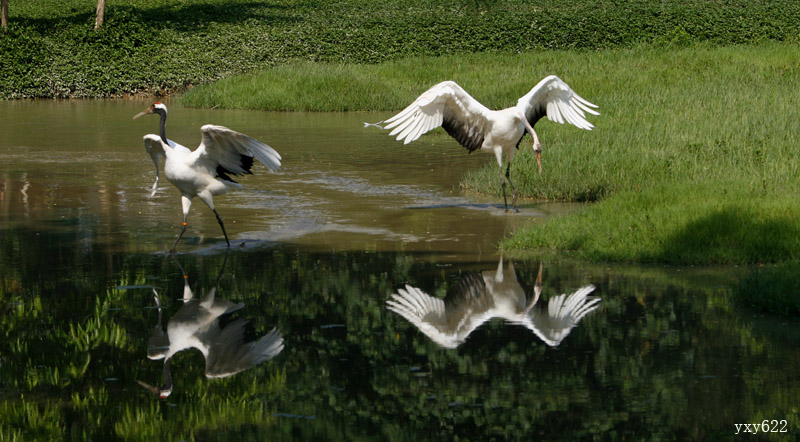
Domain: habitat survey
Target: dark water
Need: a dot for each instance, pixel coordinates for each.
(319, 249)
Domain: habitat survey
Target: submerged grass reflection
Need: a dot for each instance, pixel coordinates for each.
(774, 290)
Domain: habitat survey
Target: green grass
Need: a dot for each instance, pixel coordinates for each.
(163, 46)
(307, 86)
(694, 160)
(675, 223)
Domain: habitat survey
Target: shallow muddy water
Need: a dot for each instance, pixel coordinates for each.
(352, 224)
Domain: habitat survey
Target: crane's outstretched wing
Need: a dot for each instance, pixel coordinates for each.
(152, 144)
(446, 324)
(554, 98)
(562, 314)
(226, 151)
(230, 353)
(447, 105)
(425, 312)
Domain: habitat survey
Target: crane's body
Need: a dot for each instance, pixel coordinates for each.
(205, 172)
(477, 127)
(505, 129)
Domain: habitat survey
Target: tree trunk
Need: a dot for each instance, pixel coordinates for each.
(101, 10)
(4, 14)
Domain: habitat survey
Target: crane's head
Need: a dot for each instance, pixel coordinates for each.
(155, 108)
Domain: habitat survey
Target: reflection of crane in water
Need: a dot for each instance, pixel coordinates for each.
(228, 345)
(206, 171)
(478, 298)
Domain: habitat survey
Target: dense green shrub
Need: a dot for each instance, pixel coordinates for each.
(52, 50)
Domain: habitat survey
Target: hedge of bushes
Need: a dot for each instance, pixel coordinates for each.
(160, 46)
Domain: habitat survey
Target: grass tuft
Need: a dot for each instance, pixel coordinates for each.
(774, 290)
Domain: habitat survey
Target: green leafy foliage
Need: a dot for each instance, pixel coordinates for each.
(52, 50)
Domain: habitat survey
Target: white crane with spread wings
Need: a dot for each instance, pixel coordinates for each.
(205, 172)
(477, 127)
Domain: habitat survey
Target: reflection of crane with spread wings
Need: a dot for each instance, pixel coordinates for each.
(228, 345)
(478, 298)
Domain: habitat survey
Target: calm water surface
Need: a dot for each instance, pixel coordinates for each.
(87, 293)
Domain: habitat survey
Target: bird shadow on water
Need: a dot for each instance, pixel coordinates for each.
(733, 234)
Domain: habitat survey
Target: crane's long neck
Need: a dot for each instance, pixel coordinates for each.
(166, 390)
(163, 126)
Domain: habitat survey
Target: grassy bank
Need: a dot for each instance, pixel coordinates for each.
(676, 223)
(162, 46)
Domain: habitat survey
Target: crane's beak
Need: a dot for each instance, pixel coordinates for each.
(149, 110)
(537, 291)
(148, 387)
(537, 149)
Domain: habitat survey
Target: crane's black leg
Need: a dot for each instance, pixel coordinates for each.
(180, 235)
(222, 270)
(186, 203)
(221, 224)
(513, 189)
(503, 185)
